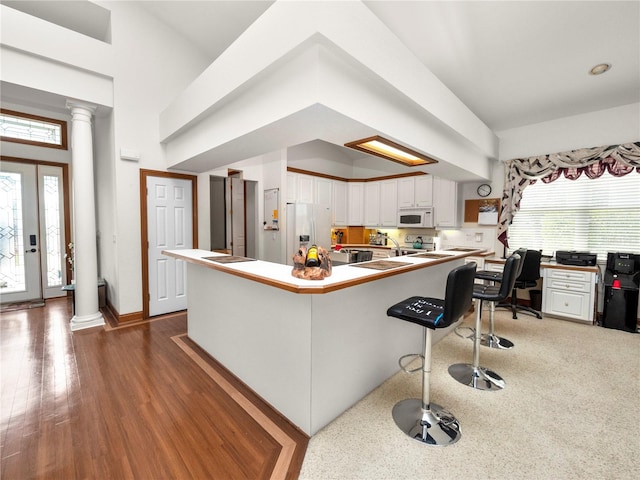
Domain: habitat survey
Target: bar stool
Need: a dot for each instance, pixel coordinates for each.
(490, 339)
(420, 419)
(473, 375)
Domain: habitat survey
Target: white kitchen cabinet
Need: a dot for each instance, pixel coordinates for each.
(305, 189)
(322, 189)
(446, 203)
(569, 294)
(479, 261)
(339, 203)
(415, 191)
(381, 203)
(300, 188)
(389, 203)
(292, 187)
(423, 194)
(372, 204)
(355, 203)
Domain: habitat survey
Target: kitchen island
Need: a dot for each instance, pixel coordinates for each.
(309, 348)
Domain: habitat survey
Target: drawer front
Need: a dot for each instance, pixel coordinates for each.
(568, 304)
(569, 285)
(557, 273)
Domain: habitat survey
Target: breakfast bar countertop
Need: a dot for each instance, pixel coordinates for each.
(342, 276)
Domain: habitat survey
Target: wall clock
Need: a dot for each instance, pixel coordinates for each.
(484, 190)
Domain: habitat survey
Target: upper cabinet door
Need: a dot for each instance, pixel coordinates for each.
(446, 203)
(406, 187)
(415, 191)
(305, 189)
(323, 187)
(372, 204)
(389, 203)
(355, 203)
(292, 187)
(339, 204)
(423, 193)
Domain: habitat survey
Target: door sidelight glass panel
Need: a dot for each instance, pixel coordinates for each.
(12, 265)
(52, 229)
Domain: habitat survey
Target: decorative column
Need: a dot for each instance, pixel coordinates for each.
(87, 312)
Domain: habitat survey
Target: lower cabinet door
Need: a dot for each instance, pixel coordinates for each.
(568, 304)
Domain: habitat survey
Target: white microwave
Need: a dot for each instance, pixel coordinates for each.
(416, 217)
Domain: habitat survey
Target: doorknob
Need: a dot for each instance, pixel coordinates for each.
(33, 250)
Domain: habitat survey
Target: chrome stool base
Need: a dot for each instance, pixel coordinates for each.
(476, 377)
(434, 426)
(494, 341)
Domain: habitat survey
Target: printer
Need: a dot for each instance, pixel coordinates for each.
(583, 259)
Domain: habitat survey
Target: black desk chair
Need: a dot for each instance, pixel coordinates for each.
(490, 339)
(420, 419)
(473, 375)
(528, 278)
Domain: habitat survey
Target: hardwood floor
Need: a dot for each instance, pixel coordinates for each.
(139, 402)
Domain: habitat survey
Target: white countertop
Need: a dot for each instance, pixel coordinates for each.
(279, 275)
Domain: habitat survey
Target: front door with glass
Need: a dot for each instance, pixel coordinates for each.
(31, 232)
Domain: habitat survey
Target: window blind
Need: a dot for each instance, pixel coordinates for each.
(598, 216)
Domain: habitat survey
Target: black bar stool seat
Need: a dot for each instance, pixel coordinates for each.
(420, 419)
(490, 339)
(473, 375)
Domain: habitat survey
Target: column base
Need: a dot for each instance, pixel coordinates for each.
(80, 322)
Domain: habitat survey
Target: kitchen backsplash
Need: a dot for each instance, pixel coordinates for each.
(471, 237)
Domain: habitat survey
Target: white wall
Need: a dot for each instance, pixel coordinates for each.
(605, 127)
(143, 69)
(151, 65)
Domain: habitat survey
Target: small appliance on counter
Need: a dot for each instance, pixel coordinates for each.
(418, 243)
(582, 259)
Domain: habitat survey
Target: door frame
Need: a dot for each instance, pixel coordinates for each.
(144, 224)
(66, 200)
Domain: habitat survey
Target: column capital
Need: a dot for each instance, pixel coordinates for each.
(77, 106)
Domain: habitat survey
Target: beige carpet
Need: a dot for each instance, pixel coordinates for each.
(570, 410)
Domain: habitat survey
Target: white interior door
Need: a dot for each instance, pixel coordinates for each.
(237, 217)
(20, 264)
(169, 220)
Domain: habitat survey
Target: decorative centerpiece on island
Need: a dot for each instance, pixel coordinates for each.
(313, 263)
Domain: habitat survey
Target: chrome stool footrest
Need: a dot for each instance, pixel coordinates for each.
(471, 329)
(404, 365)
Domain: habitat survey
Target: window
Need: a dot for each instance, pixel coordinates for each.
(33, 130)
(598, 216)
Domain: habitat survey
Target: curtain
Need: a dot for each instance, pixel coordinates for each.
(519, 173)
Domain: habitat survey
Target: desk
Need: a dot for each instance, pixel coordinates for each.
(568, 291)
(102, 297)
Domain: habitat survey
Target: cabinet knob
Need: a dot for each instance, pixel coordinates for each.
(566, 304)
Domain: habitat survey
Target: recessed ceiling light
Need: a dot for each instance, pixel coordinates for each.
(600, 69)
(381, 147)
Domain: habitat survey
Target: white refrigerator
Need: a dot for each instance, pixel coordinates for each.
(307, 224)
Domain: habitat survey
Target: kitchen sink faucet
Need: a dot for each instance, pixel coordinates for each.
(384, 235)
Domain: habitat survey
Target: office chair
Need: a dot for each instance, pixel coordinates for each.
(528, 278)
(490, 339)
